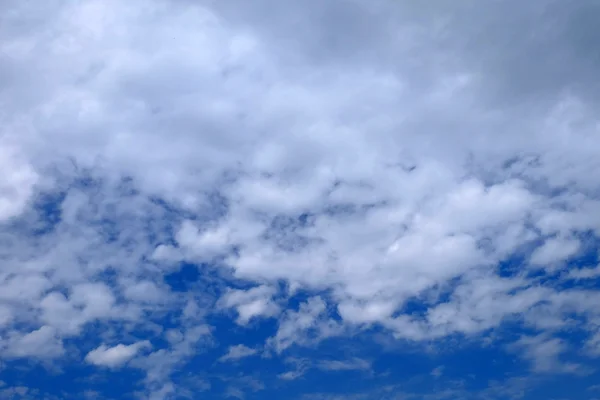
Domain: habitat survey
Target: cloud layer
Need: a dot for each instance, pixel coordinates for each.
(426, 170)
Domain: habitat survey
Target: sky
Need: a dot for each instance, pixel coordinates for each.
(306, 200)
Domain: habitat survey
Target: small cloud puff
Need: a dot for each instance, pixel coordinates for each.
(237, 352)
(116, 356)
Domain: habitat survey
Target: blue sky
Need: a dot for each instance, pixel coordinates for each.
(317, 200)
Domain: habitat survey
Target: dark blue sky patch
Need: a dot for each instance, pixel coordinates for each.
(182, 279)
(48, 206)
(76, 377)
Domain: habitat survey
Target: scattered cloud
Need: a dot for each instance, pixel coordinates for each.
(437, 372)
(325, 169)
(116, 356)
(344, 365)
(252, 303)
(544, 354)
(236, 352)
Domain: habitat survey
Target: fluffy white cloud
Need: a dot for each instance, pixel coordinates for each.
(115, 356)
(310, 323)
(251, 303)
(17, 183)
(184, 343)
(403, 159)
(584, 273)
(40, 343)
(555, 251)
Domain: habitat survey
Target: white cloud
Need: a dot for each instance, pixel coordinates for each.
(184, 343)
(481, 303)
(555, 251)
(344, 365)
(115, 356)
(544, 354)
(143, 291)
(592, 346)
(17, 184)
(300, 367)
(164, 392)
(251, 303)
(233, 392)
(205, 245)
(309, 324)
(290, 375)
(41, 343)
(403, 163)
(437, 371)
(584, 273)
(236, 352)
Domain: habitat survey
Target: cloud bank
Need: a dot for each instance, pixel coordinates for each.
(426, 170)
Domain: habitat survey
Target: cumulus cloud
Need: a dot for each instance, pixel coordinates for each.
(252, 303)
(555, 251)
(308, 324)
(40, 343)
(116, 356)
(18, 183)
(184, 343)
(369, 153)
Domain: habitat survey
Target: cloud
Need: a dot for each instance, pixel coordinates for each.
(592, 345)
(544, 354)
(290, 375)
(236, 393)
(555, 251)
(299, 367)
(236, 352)
(18, 184)
(116, 356)
(252, 303)
(40, 343)
(302, 365)
(344, 365)
(362, 155)
(184, 343)
(240, 385)
(437, 372)
(584, 273)
(308, 325)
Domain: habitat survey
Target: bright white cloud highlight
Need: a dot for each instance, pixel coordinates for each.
(115, 356)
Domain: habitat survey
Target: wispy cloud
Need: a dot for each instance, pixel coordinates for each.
(344, 365)
(115, 356)
(236, 352)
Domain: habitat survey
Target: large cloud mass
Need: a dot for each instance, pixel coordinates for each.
(372, 155)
